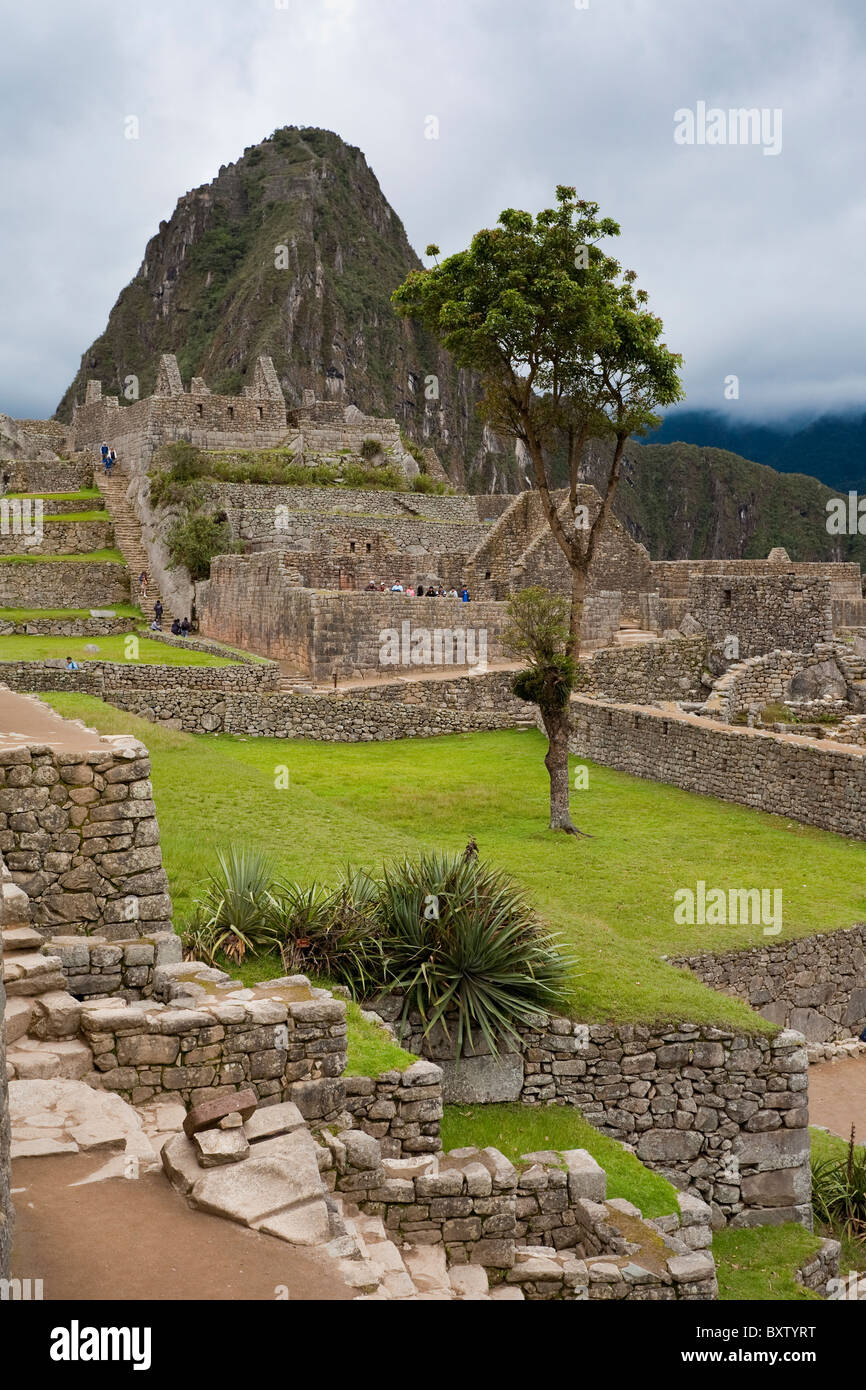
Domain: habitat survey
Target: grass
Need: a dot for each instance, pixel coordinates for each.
(32, 615)
(759, 1265)
(85, 493)
(58, 517)
(518, 1129)
(94, 557)
(611, 896)
(150, 653)
(371, 1050)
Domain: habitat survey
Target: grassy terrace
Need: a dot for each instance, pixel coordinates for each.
(94, 557)
(85, 493)
(32, 615)
(112, 648)
(610, 896)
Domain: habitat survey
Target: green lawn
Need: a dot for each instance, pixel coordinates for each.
(27, 615)
(112, 648)
(56, 517)
(94, 557)
(86, 494)
(610, 896)
(758, 1265)
(518, 1129)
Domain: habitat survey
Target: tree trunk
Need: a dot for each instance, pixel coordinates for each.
(578, 600)
(557, 725)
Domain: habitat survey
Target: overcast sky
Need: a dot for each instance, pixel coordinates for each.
(754, 260)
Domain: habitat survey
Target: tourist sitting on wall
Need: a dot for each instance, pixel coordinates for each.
(452, 593)
(464, 593)
(175, 628)
(372, 584)
(396, 587)
(410, 592)
(185, 627)
(420, 591)
(382, 588)
(71, 665)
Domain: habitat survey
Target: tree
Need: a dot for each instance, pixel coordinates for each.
(568, 351)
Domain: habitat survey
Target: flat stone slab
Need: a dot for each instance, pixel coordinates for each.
(216, 1147)
(72, 1117)
(272, 1120)
(259, 1188)
(208, 1113)
(482, 1080)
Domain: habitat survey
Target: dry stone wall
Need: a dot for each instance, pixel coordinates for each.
(278, 1047)
(668, 670)
(346, 503)
(62, 475)
(65, 627)
(62, 584)
(58, 538)
(79, 834)
(815, 984)
(763, 612)
(403, 1110)
(722, 1114)
(785, 775)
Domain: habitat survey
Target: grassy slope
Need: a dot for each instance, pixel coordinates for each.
(100, 557)
(759, 1265)
(112, 648)
(25, 615)
(519, 1129)
(611, 896)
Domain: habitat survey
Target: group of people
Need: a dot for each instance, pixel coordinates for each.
(179, 627)
(109, 457)
(432, 590)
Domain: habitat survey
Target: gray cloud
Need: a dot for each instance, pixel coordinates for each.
(754, 262)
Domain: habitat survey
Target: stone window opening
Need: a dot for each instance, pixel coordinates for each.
(199, 410)
(487, 574)
(231, 412)
(352, 547)
(369, 547)
(261, 412)
(726, 598)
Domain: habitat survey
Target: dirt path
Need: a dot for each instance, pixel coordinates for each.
(26, 719)
(837, 1096)
(137, 1239)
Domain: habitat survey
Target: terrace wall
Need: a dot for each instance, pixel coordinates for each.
(59, 538)
(62, 584)
(765, 613)
(782, 774)
(816, 984)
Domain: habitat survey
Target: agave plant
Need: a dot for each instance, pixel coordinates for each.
(333, 933)
(236, 912)
(839, 1191)
(464, 947)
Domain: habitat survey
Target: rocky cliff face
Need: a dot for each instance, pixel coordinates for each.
(292, 251)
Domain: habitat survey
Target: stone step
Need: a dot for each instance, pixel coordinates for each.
(34, 1060)
(28, 973)
(17, 1015)
(56, 1014)
(23, 938)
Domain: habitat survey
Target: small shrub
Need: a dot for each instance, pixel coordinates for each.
(464, 947)
(431, 486)
(839, 1191)
(236, 912)
(371, 448)
(194, 542)
(777, 713)
(332, 933)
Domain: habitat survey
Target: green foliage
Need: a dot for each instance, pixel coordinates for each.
(370, 448)
(371, 1048)
(464, 948)
(537, 631)
(839, 1190)
(332, 933)
(195, 541)
(430, 486)
(235, 913)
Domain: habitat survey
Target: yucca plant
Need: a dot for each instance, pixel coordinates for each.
(839, 1191)
(236, 913)
(467, 951)
(333, 933)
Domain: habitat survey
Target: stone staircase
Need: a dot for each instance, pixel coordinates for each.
(41, 1017)
(128, 539)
